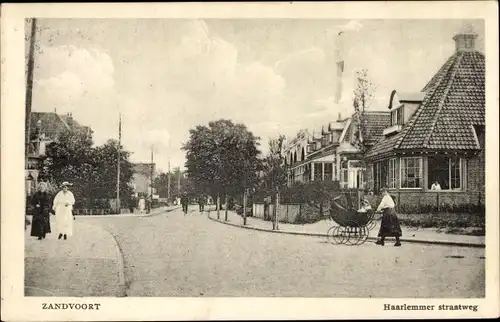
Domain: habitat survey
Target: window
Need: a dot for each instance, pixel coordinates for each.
(397, 116)
(446, 171)
(343, 174)
(380, 175)
(392, 174)
(411, 172)
(303, 155)
(328, 171)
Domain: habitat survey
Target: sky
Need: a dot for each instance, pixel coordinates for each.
(165, 76)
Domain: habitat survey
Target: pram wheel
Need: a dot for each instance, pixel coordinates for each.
(336, 235)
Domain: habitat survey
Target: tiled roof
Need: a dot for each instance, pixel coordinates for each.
(52, 124)
(375, 123)
(454, 102)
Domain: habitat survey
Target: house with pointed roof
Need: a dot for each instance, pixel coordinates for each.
(332, 154)
(436, 135)
(45, 127)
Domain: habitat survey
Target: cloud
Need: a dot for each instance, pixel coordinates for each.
(67, 76)
(351, 25)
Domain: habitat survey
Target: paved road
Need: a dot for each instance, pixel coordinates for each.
(175, 255)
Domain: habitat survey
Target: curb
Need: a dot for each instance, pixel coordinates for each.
(125, 215)
(120, 265)
(159, 213)
(414, 241)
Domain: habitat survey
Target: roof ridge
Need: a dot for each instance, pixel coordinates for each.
(62, 120)
(454, 69)
(412, 120)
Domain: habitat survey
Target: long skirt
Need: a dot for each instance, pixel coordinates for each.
(390, 226)
(64, 221)
(40, 225)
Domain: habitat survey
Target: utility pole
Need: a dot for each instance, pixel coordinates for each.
(168, 183)
(29, 88)
(152, 170)
(178, 181)
(28, 97)
(118, 161)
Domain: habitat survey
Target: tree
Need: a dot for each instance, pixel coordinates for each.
(92, 170)
(222, 158)
(177, 182)
(363, 94)
(104, 161)
(275, 171)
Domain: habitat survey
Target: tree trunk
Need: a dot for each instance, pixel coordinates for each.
(225, 206)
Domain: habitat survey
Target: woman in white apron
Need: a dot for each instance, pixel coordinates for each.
(63, 207)
(142, 205)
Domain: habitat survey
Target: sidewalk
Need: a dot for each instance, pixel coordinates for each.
(410, 235)
(154, 212)
(87, 264)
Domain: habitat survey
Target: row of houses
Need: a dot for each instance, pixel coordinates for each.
(436, 135)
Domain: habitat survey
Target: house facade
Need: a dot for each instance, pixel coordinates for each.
(436, 135)
(141, 178)
(45, 128)
(332, 154)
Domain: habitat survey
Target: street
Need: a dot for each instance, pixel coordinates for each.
(171, 254)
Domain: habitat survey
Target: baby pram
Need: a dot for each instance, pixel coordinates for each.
(349, 226)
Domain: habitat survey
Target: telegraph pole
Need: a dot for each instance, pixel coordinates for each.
(118, 161)
(178, 181)
(152, 166)
(168, 183)
(29, 88)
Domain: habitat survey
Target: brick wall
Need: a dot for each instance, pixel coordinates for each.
(476, 172)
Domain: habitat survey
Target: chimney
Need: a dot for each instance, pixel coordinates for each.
(465, 40)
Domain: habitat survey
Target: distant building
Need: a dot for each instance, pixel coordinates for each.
(141, 179)
(331, 154)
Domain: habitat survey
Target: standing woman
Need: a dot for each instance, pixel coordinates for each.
(390, 226)
(63, 207)
(41, 215)
(142, 205)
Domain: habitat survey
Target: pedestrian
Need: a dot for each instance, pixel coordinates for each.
(131, 203)
(41, 214)
(436, 186)
(141, 205)
(184, 203)
(201, 202)
(149, 202)
(63, 207)
(389, 227)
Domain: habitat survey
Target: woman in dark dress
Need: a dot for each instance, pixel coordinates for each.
(389, 227)
(42, 206)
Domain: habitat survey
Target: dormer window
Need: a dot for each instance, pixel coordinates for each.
(397, 116)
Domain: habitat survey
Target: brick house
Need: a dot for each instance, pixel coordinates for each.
(437, 134)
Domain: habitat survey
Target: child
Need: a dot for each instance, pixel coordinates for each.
(365, 206)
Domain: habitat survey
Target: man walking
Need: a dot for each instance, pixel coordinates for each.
(184, 203)
(201, 202)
